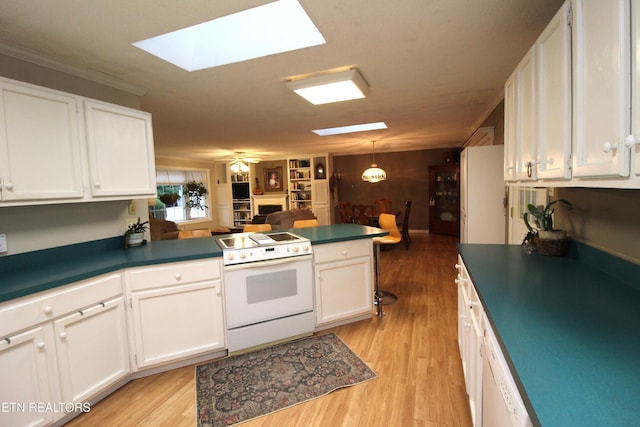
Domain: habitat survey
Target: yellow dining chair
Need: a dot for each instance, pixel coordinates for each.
(388, 223)
(256, 227)
(192, 234)
(301, 223)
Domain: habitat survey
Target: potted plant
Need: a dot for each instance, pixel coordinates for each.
(169, 199)
(195, 192)
(134, 236)
(547, 240)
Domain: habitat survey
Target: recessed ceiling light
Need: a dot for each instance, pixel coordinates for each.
(276, 27)
(351, 128)
(332, 87)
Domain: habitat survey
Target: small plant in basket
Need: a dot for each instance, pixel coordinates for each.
(546, 239)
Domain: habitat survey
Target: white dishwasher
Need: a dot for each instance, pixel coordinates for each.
(502, 405)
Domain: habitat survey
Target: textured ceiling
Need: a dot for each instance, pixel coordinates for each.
(435, 68)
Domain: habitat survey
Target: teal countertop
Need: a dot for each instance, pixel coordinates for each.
(569, 327)
(31, 272)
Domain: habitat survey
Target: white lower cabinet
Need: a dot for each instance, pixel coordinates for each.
(92, 351)
(470, 340)
(343, 282)
(61, 347)
(176, 311)
(24, 367)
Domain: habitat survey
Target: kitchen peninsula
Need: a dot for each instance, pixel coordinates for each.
(89, 317)
(568, 327)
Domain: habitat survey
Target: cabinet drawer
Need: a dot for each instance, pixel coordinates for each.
(34, 309)
(342, 250)
(176, 273)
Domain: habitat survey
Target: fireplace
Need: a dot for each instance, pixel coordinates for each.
(267, 209)
(268, 203)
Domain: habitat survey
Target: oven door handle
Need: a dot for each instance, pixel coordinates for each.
(261, 264)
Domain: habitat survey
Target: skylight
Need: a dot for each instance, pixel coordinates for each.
(351, 128)
(276, 27)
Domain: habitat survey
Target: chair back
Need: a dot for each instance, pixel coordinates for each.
(381, 206)
(192, 234)
(346, 213)
(362, 214)
(405, 219)
(256, 227)
(405, 224)
(388, 222)
(301, 223)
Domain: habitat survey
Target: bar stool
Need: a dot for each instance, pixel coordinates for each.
(387, 222)
(256, 227)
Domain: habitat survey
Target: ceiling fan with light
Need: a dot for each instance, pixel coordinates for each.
(239, 164)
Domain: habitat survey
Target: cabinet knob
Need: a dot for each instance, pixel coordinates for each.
(48, 309)
(178, 276)
(63, 335)
(97, 184)
(607, 147)
(344, 253)
(40, 345)
(631, 140)
(458, 265)
(218, 291)
(8, 185)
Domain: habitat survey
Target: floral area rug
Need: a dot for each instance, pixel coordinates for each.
(239, 388)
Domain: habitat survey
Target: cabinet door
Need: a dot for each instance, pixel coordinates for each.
(321, 201)
(92, 350)
(510, 125)
(601, 87)
(444, 200)
(343, 290)
(633, 142)
(526, 142)
(553, 97)
(176, 322)
(26, 378)
(120, 150)
(39, 144)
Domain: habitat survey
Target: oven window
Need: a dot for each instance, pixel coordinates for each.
(271, 286)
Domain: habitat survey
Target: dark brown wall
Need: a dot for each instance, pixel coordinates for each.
(407, 179)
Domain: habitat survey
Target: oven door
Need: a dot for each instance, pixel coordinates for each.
(265, 290)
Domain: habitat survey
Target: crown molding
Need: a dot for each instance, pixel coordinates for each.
(23, 54)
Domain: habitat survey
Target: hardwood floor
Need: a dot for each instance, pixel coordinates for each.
(413, 349)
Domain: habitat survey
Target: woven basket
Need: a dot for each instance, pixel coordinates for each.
(556, 247)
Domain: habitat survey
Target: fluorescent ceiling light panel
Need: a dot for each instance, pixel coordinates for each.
(276, 27)
(349, 129)
(333, 87)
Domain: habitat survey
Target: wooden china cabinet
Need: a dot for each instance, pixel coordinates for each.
(444, 199)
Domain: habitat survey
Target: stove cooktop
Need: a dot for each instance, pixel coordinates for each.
(250, 247)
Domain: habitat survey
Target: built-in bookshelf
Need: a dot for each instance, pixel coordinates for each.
(300, 188)
(241, 199)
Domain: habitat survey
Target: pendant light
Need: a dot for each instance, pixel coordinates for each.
(374, 173)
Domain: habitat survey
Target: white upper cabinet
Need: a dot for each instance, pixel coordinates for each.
(633, 140)
(57, 147)
(120, 150)
(601, 88)
(39, 144)
(526, 117)
(553, 97)
(538, 107)
(510, 121)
